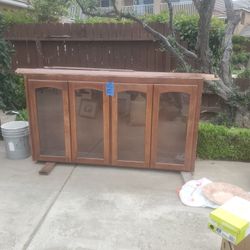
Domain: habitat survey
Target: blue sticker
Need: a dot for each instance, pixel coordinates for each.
(110, 89)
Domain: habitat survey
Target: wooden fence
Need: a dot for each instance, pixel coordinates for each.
(124, 46)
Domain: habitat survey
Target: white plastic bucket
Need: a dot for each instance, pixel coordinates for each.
(16, 137)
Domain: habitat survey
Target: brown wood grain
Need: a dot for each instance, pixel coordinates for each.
(47, 168)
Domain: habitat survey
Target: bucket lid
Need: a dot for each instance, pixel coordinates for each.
(15, 125)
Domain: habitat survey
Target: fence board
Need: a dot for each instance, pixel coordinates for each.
(81, 32)
(125, 46)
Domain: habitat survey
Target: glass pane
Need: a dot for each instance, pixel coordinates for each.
(131, 125)
(173, 112)
(50, 121)
(89, 120)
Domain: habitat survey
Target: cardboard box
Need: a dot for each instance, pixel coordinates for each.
(231, 220)
(244, 245)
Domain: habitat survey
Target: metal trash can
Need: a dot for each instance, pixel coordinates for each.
(16, 138)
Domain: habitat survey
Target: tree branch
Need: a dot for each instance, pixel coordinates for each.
(219, 88)
(187, 53)
(170, 18)
(164, 41)
(115, 7)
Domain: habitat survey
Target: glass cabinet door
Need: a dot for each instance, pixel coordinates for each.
(50, 120)
(131, 125)
(89, 122)
(173, 126)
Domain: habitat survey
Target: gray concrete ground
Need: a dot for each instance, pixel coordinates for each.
(92, 208)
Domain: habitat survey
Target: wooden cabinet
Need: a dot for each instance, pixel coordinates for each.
(149, 120)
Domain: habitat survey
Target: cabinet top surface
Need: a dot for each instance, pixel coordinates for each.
(110, 73)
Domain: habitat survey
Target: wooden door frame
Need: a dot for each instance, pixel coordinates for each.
(193, 91)
(77, 85)
(143, 88)
(32, 85)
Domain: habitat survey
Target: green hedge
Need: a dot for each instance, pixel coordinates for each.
(221, 143)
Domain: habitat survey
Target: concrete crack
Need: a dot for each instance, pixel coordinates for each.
(39, 224)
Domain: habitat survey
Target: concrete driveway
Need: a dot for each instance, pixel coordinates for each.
(102, 208)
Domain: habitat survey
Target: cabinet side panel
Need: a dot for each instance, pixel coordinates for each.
(198, 97)
(31, 124)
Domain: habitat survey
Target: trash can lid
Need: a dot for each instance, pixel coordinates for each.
(15, 125)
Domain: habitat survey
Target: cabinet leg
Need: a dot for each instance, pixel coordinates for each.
(47, 168)
(186, 176)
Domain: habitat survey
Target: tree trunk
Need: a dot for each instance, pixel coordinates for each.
(233, 18)
(205, 10)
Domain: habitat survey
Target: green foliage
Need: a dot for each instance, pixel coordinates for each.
(222, 143)
(240, 56)
(245, 74)
(99, 20)
(187, 26)
(216, 35)
(18, 16)
(240, 40)
(242, 99)
(43, 11)
(156, 18)
(90, 5)
(152, 18)
(22, 115)
(12, 93)
(11, 85)
(225, 119)
(49, 11)
(5, 50)
(5, 61)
